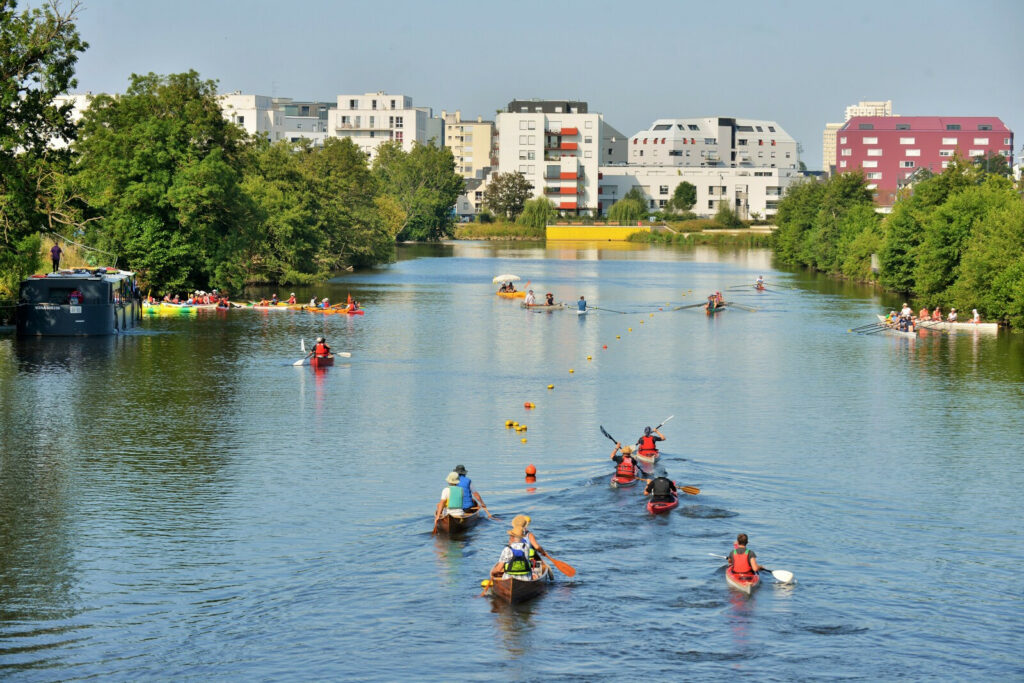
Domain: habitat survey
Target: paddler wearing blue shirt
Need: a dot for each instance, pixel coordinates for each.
(468, 494)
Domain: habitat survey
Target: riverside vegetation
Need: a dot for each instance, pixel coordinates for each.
(955, 239)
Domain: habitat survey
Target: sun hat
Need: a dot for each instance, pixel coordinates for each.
(461, 469)
(521, 521)
(626, 450)
(319, 340)
(452, 478)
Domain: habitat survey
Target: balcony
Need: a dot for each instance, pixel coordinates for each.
(563, 131)
(568, 205)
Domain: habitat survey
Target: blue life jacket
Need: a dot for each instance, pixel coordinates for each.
(519, 565)
(467, 492)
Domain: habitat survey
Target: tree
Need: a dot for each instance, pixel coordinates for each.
(506, 193)
(38, 52)
(995, 164)
(161, 166)
(683, 197)
(726, 217)
(423, 184)
(795, 217)
(537, 213)
(627, 210)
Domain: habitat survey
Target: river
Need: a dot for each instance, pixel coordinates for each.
(181, 502)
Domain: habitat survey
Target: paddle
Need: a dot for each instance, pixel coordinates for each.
(664, 421)
(566, 569)
(680, 308)
(598, 308)
(780, 575)
(741, 306)
(486, 583)
(613, 439)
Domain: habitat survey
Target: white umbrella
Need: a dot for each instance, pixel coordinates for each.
(507, 277)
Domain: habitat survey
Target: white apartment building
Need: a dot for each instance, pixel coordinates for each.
(256, 114)
(372, 119)
(79, 103)
(862, 108)
(714, 142)
(749, 191)
(558, 146)
(304, 120)
(828, 138)
(471, 142)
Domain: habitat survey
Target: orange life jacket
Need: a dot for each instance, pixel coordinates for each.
(626, 468)
(647, 445)
(741, 561)
(321, 350)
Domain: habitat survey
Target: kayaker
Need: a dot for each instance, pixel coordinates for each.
(468, 494)
(626, 466)
(325, 303)
(581, 304)
(891, 318)
(742, 560)
(523, 523)
(660, 489)
(760, 281)
(320, 349)
(291, 299)
(529, 300)
(952, 316)
(451, 498)
(274, 300)
(549, 299)
(937, 315)
(514, 560)
(312, 302)
(647, 444)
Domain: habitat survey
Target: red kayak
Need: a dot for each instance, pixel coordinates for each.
(619, 482)
(321, 361)
(656, 508)
(745, 583)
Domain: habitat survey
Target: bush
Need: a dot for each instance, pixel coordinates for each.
(484, 217)
(727, 218)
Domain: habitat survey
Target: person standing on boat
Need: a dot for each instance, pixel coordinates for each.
(582, 304)
(647, 443)
(742, 560)
(55, 252)
(661, 489)
(470, 498)
(451, 498)
(625, 464)
(529, 300)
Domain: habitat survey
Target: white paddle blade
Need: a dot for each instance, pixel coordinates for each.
(302, 344)
(343, 354)
(300, 362)
(782, 576)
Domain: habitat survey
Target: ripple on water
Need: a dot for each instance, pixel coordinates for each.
(705, 512)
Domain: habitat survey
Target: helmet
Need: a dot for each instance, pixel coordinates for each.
(647, 431)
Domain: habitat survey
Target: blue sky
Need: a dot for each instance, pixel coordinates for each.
(798, 62)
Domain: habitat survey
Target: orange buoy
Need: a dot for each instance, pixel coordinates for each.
(531, 470)
(529, 405)
(605, 346)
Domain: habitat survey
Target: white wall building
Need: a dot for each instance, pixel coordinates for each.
(714, 142)
(372, 119)
(304, 120)
(256, 114)
(558, 146)
(471, 142)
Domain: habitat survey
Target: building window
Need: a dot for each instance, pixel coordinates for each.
(587, 140)
(522, 155)
(945, 153)
(874, 152)
(675, 152)
(587, 154)
(874, 176)
(984, 126)
(661, 203)
(554, 125)
(912, 152)
(866, 126)
(398, 122)
(902, 126)
(588, 124)
(523, 139)
(741, 142)
(532, 125)
(663, 189)
(872, 186)
(710, 141)
(522, 168)
(1007, 141)
(949, 141)
(353, 104)
(398, 136)
(711, 203)
(522, 125)
(952, 126)
(981, 141)
(771, 129)
(976, 153)
(870, 164)
(760, 143)
(842, 164)
(945, 164)
(533, 140)
(870, 141)
(906, 164)
(845, 152)
(531, 155)
(906, 141)
(240, 119)
(842, 141)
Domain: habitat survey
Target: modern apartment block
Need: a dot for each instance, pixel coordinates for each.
(304, 119)
(558, 145)
(256, 114)
(471, 142)
(828, 138)
(889, 149)
(372, 119)
(714, 142)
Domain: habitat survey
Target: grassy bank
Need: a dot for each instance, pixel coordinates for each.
(500, 230)
(72, 256)
(753, 239)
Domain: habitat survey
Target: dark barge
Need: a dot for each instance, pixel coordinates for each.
(80, 302)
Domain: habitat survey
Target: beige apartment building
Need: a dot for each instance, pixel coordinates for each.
(471, 142)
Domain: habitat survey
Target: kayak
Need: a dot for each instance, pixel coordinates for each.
(543, 307)
(520, 590)
(512, 295)
(581, 312)
(745, 583)
(456, 525)
(351, 311)
(649, 458)
(321, 361)
(619, 482)
(656, 508)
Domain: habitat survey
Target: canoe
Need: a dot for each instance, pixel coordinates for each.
(456, 525)
(944, 326)
(512, 295)
(745, 583)
(543, 307)
(618, 482)
(521, 590)
(656, 508)
(321, 362)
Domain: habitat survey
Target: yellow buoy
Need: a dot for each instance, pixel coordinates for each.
(571, 370)
(508, 423)
(551, 386)
(629, 330)
(618, 337)
(652, 315)
(588, 357)
(641, 322)
(522, 428)
(523, 439)
(485, 583)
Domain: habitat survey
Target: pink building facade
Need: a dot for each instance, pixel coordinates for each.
(890, 148)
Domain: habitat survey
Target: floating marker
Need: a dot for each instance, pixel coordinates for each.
(629, 330)
(618, 337)
(571, 370)
(605, 346)
(508, 424)
(531, 470)
(551, 386)
(588, 358)
(523, 439)
(652, 315)
(529, 405)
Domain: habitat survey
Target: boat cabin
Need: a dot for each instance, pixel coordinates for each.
(93, 301)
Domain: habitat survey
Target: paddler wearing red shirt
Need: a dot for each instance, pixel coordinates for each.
(742, 560)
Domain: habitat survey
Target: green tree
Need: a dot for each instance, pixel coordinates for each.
(506, 193)
(161, 166)
(631, 208)
(38, 51)
(993, 164)
(831, 233)
(991, 275)
(683, 197)
(795, 218)
(423, 183)
(537, 213)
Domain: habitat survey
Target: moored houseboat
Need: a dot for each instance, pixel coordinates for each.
(80, 302)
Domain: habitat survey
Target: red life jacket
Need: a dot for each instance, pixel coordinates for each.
(320, 350)
(741, 561)
(647, 445)
(626, 468)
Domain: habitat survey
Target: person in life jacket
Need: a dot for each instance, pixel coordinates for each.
(646, 444)
(451, 498)
(661, 489)
(937, 314)
(470, 498)
(626, 468)
(514, 561)
(320, 349)
(291, 299)
(581, 304)
(742, 560)
(274, 300)
(549, 299)
(523, 523)
(760, 281)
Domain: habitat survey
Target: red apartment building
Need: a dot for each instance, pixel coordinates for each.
(889, 148)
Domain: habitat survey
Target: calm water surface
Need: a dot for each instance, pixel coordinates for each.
(183, 503)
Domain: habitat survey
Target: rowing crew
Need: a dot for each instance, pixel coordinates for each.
(923, 316)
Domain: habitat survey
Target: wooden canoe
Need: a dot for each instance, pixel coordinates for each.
(456, 525)
(512, 295)
(518, 590)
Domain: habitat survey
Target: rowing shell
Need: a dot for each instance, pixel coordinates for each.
(543, 307)
(946, 326)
